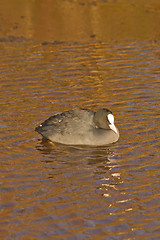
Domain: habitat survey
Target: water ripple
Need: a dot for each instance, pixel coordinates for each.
(55, 192)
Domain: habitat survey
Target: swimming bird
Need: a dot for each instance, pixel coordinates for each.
(80, 127)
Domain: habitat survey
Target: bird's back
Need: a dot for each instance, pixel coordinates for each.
(73, 122)
(76, 127)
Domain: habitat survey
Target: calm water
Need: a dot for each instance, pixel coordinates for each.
(59, 192)
(65, 192)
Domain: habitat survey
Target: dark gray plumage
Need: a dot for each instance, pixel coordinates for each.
(80, 127)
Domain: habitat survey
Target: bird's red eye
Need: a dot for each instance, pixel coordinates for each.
(105, 119)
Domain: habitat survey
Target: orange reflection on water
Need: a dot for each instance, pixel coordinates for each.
(54, 20)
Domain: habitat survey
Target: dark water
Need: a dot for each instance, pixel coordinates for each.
(59, 55)
(60, 192)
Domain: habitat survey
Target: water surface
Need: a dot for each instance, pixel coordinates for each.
(62, 192)
(65, 192)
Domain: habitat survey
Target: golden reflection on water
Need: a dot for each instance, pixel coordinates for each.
(65, 192)
(81, 20)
